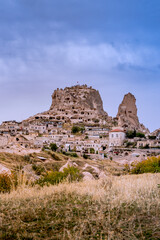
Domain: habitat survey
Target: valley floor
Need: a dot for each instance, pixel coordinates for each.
(124, 207)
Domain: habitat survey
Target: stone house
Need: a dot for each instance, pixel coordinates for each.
(116, 137)
(150, 143)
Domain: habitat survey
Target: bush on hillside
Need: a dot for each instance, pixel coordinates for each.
(53, 147)
(140, 135)
(151, 165)
(5, 183)
(132, 134)
(85, 156)
(54, 156)
(38, 169)
(152, 137)
(76, 129)
(27, 158)
(71, 154)
(92, 151)
(54, 177)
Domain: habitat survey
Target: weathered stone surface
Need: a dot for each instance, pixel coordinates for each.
(81, 104)
(127, 111)
(79, 97)
(156, 133)
(87, 176)
(102, 175)
(127, 114)
(77, 104)
(4, 170)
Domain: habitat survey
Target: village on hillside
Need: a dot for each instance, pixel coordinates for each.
(77, 123)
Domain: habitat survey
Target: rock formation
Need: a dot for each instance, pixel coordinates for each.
(127, 114)
(4, 170)
(77, 104)
(156, 133)
(81, 104)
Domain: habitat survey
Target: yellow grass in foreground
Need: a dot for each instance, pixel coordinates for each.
(121, 189)
(125, 207)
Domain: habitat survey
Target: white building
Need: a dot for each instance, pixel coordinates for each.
(116, 137)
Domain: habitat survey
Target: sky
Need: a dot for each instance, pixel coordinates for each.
(111, 45)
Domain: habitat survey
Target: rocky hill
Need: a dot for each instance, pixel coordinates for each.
(127, 114)
(77, 104)
(81, 104)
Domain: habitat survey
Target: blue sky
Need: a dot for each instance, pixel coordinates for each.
(113, 45)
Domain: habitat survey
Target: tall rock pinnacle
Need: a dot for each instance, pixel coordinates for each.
(127, 114)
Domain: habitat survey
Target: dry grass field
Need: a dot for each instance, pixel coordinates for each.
(121, 207)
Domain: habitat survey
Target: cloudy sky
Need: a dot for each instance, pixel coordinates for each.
(112, 45)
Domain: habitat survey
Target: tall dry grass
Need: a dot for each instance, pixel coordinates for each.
(125, 207)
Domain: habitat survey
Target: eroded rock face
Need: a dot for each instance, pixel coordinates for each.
(127, 114)
(77, 104)
(79, 97)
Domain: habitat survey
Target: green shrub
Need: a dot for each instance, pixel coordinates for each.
(27, 158)
(130, 134)
(152, 137)
(92, 151)
(76, 129)
(54, 156)
(151, 165)
(140, 135)
(5, 183)
(85, 156)
(133, 134)
(38, 169)
(53, 147)
(71, 154)
(55, 177)
(145, 147)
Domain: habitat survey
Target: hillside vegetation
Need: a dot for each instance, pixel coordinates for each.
(125, 207)
(54, 161)
(150, 165)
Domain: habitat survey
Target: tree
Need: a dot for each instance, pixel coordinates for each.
(92, 151)
(131, 134)
(75, 129)
(140, 135)
(53, 147)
